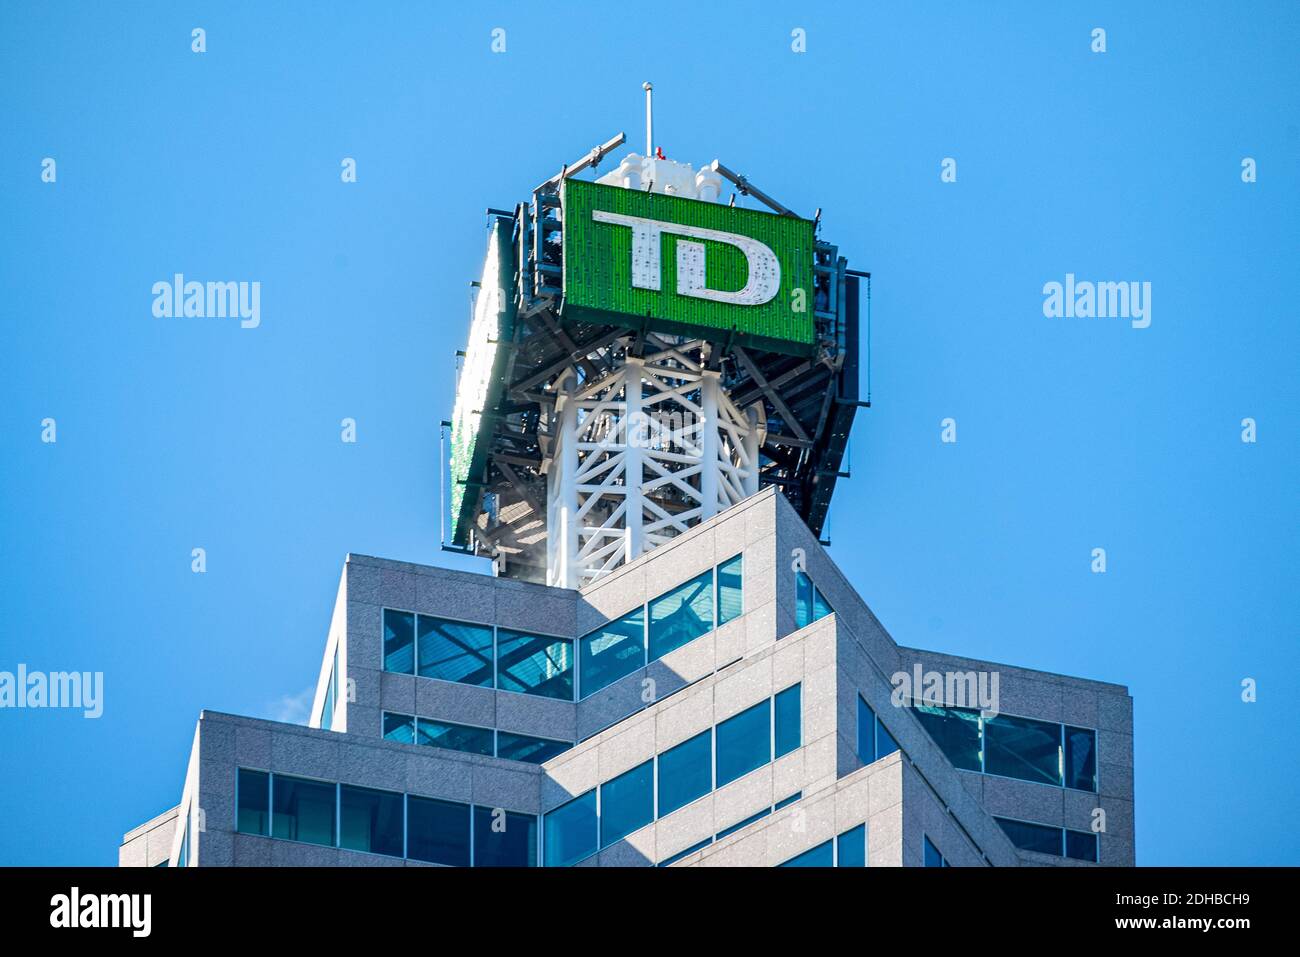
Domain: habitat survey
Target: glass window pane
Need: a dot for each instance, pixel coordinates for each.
(370, 820)
(744, 823)
(437, 831)
(1080, 759)
(885, 743)
(535, 664)
(1023, 748)
(866, 732)
(932, 856)
(627, 803)
(399, 641)
(569, 831)
(956, 731)
(254, 802)
(681, 616)
(302, 810)
(521, 747)
(786, 801)
(399, 727)
(852, 847)
(685, 772)
(666, 862)
(823, 855)
(1081, 845)
(1032, 837)
(803, 599)
(454, 737)
(821, 607)
(612, 651)
(455, 651)
(730, 591)
(504, 838)
(744, 742)
(789, 720)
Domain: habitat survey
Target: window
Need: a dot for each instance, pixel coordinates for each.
(627, 803)
(685, 772)
(744, 743)
(254, 803)
(730, 592)
(504, 838)
(787, 801)
(956, 731)
(681, 616)
(1032, 837)
(455, 651)
(851, 847)
(569, 832)
(809, 603)
(521, 747)
(370, 820)
(1080, 759)
(788, 728)
(454, 737)
(399, 641)
(1081, 845)
(690, 850)
(874, 742)
(437, 831)
(744, 823)
(1023, 748)
(303, 810)
(823, 855)
(612, 651)
(932, 856)
(535, 664)
(399, 727)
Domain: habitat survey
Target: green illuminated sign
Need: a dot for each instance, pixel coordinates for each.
(687, 266)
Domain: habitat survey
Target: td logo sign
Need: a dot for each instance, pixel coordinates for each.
(687, 266)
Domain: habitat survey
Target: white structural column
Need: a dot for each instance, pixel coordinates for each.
(643, 453)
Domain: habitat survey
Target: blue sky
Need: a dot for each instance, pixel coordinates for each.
(1072, 433)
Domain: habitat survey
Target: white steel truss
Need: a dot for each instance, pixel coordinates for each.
(640, 455)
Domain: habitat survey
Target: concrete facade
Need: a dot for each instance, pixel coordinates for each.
(904, 798)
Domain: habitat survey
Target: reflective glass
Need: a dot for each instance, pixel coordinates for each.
(866, 732)
(744, 742)
(803, 599)
(1032, 837)
(1081, 845)
(681, 616)
(521, 747)
(1080, 759)
(956, 731)
(399, 727)
(254, 802)
(789, 720)
(455, 651)
(437, 831)
(823, 855)
(399, 641)
(569, 832)
(455, 737)
(302, 810)
(851, 847)
(685, 772)
(370, 820)
(612, 651)
(504, 838)
(730, 590)
(535, 664)
(932, 856)
(627, 803)
(1023, 748)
